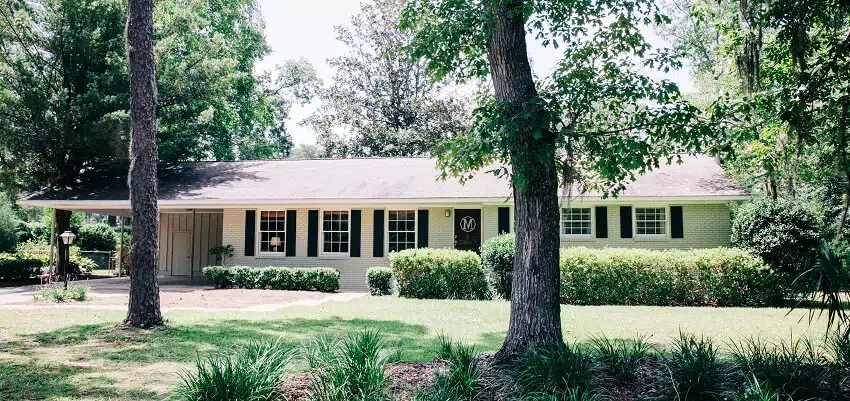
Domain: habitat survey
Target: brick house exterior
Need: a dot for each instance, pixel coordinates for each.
(323, 213)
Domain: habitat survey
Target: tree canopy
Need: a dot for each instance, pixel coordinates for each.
(381, 101)
(64, 87)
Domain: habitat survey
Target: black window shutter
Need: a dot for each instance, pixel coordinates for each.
(677, 227)
(291, 219)
(250, 231)
(625, 222)
(312, 233)
(504, 220)
(601, 221)
(354, 246)
(378, 234)
(422, 234)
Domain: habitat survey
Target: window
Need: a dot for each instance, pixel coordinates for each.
(650, 221)
(575, 221)
(272, 231)
(335, 231)
(401, 230)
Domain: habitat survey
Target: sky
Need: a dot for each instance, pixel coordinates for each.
(305, 29)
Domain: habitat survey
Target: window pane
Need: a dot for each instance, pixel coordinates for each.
(651, 221)
(272, 225)
(334, 231)
(401, 230)
(575, 221)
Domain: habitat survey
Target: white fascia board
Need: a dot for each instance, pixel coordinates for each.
(224, 204)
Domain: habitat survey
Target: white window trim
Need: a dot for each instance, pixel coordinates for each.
(258, 235)
(321, 239)
(651, 236)
(577, 236)
(387, 227)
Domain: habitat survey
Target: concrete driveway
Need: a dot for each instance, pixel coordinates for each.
(177, 294)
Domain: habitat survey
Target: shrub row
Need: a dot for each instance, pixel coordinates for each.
(700, 277)
(274, 278)
(16, 267)
(439, 274)
(612, 276)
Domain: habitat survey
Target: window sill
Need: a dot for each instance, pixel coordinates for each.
(652, 238)
(333, 256)
(577, 238)
(270, 256)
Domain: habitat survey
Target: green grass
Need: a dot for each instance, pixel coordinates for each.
(74, 347)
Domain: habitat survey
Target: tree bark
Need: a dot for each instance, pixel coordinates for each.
(63, 223)
(535, 319)
(143, 310)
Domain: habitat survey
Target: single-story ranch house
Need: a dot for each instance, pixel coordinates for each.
(349, 214)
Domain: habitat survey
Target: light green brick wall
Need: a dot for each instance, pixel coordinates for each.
(705, 225)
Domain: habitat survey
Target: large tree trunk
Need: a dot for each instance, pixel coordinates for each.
(143, 310)
(63, 223)
(535, 311)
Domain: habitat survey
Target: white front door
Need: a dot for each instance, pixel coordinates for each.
(181, 253)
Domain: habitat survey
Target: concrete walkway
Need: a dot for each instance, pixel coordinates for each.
(20, 298)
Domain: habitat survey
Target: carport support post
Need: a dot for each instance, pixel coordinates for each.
(52, 245)
(121, 247)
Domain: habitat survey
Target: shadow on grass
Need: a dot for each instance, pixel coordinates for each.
(183, 343)
(38, 382)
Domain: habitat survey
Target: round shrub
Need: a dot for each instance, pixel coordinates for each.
(497, 256)
(380, 280)
(697, 277)
(783, 233)
(439, 274)
(219, 275)
(97, 237)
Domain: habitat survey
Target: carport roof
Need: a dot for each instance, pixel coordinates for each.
(217, 184)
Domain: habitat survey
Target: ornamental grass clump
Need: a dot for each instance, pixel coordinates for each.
(622, 358)
(796, 369)
(565, 371)
(695, 368)
(253, 373)
(347, 369)
(460, 379)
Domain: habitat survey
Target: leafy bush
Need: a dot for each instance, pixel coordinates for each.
(97, 237)
(621, 357)
(785, 234)
(696, 369)
(380, 280)
(439, 273)
(274, 278)
(716, 277)
(795, 368)
(78, 263)
(563, 370)
(58, 293)
(10, 225)
(221, 276)
(254, 374)
(16, 267)
(348, 369)
(497, 256)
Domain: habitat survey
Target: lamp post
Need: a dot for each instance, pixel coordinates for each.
(67, 239)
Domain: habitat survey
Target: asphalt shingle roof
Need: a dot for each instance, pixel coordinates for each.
(366, 178)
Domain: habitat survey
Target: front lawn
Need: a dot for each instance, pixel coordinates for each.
(65, 353)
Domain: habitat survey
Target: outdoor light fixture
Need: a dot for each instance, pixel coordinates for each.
(67, 237)
(274, 242)
(448, 213)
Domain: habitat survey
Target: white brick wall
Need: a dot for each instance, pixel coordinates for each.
(705, 225)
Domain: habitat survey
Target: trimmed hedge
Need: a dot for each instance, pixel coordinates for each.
(699, 277)
(439, 274)
(16, 267)
(497, 256)
(274, 278)
(380, 280)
